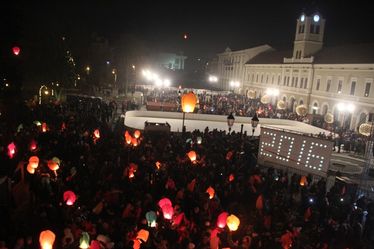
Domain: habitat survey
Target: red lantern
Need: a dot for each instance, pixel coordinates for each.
(69, 197)
(46, 239)
(137, 134)
(11, 150)
(34, 162)
(134, 141)
(16, 50)
(222, 219)
(231, 178)
(96, 134)
(33, 145)
(211, 192)
(163, 202)
(192, 155)
(168, 211)
(44, 127)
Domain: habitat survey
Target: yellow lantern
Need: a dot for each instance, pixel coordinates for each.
(301, 110)
(211, 192)
(365, 129)
(251, 94)
(188, 102)
(46, 239)
(329, 118)
(84, 241)
(265, 99)
(233, 222)
(281, 105)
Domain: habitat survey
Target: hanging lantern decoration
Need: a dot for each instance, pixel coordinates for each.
(30, 169)
(137, 134)
(44, 127)
(16, 50)
(233, 222)
(189, 102)
(260, 203)
(222, 219)
(301, 110)
(192, 155)
(231, 177)
(46, 239)
(281, 105)
(134, 141)
(265, 99)
(70, 198)
(34, 162)
(142, 235)
(168, 211)
(151, 218)
(303, 181)
(211, 192)
(251, 94)
(84, 241)
(33, 145)
(365, 129)
(164, 201)
(329, 118)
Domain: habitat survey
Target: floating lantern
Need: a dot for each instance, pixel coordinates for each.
(151, 218)
(137, 134)
(11, 150)
(168, 211)
(222, 219)
(303, 181)
(46, 239)
(134, 141)
(251, 94)
(188, 102)
(34, 162)
(164, 201)
(211, 192)
(301, 110)
(136, 244)
(96, 134)
(233, 222)
(53, 165)
(158, 165)
(33, 145)
(199, 140)
(192, 155)
(84, 241)
(259, 203)
(44, 127)
(95, 244)
(30, 169)
(281, 105)
(16, 50)
(231, 178)
(142, 235)
(70, 198)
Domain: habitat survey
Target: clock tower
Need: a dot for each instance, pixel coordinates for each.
(309, 35)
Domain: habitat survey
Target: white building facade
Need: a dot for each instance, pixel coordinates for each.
(338, 80)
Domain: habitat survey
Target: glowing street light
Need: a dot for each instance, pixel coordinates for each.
(213, 78)
(344, 108)
(272, 92)
(234, 83)
(40, 93)
(88, 69)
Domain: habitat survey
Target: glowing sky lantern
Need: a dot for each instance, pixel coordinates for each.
(222, 219)
(44, 127)
(189, 102)
(211, 192)
(136, 244)
(33, 145)
(158, 165)
(233, 222)
(53, 164)
(11, 150)
(16, 50)
(46, 239)
(164, 201)
(151, 218)
(96, 134)
(192, 155)
(303, 181)
(34, 162)
(30, 169)
(134, 141)
(231, 177)
(84, 241)
(260, 203)
(137, 134)
(142, 235)
(69, 197)
(95, 244)
(168, 211)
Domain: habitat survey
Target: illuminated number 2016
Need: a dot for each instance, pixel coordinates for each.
(310, 149)
(284, 141)
(271, 144)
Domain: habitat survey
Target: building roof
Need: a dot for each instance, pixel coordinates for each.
(347, 54)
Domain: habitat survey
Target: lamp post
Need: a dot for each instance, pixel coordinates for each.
(254, 122)
(40, 93)
(188, 105)
(230, 121)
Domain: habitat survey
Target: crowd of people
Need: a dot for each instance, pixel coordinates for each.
(117, 181)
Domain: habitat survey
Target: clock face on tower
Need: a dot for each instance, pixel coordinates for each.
(302, 18)
(316, 18)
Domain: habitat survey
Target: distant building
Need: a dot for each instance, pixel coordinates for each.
(170, 61)
(338, 80)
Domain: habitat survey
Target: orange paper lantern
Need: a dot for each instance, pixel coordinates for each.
(192, 155)
(211, 192)
(69, 197)
(52, 165)
(189, 102)
(34, 162)
(30, 169)
(143, 235)
(134, 141)
(222, 219)
(233, 222)
(96, 134)
(44, 127)
(137, 134)
(158, 165)
(303, 181)
(46, 239)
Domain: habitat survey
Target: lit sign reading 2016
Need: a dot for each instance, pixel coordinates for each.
(295, 150)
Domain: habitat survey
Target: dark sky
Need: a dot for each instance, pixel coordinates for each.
(211, 25)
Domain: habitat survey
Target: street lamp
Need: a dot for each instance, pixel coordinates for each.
(188, 105)
(230, 121)
(40, 93)
(254, 122)
(115, 75)
(213, 78)
(344, 108)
